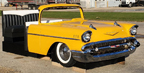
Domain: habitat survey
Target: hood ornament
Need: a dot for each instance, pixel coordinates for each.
(116, 24)
(91, 26)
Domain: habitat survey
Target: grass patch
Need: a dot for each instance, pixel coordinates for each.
(112, 16)
(115, 16)
(0, 13)
(65, 15)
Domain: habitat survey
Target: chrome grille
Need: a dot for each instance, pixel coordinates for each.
(106, 46)
(110, 43)
(109, 50)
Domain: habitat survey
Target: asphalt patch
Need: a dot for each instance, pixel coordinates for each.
(139, 36)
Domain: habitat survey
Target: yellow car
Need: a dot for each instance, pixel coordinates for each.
(79, 40)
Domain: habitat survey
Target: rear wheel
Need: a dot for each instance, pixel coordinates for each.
(64, 55)
(120, 5)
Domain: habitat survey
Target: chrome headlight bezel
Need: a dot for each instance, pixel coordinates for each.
(86, 37)
(133, 30)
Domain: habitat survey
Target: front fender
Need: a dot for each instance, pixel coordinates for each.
(127, 27)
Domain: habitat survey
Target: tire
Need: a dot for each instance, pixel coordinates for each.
(130, 4)
(34, 7)
(64, 56)
(29, 8)
(120, 5)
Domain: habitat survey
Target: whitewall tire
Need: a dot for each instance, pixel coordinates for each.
(64, 55)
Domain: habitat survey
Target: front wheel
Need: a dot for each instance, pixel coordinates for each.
(34, 7)
(120, 5)
(64, 55)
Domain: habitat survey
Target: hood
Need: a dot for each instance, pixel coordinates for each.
(103, 31)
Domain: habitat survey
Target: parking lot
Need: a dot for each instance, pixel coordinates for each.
(109, 9)
(13, 63)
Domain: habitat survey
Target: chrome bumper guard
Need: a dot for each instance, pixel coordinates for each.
(87, 56)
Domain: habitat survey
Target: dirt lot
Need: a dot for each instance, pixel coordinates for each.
(12, 63)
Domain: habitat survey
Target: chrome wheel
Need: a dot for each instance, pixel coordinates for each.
(64, 52)
(63, 55)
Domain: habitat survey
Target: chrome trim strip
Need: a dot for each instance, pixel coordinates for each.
(81, 56)
(52, 36)
(77, 51)
(85, 52)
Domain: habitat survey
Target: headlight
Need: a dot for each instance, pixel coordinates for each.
(86, 36)
(133, 30)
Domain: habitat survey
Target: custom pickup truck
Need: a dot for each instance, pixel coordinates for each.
(67, 41)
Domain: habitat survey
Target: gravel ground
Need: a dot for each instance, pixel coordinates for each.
(12, 63)
(8, 70)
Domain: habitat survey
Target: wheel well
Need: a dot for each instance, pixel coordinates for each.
(52, 48)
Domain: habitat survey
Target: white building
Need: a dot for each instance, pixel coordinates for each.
(3, 2)
(100, 3)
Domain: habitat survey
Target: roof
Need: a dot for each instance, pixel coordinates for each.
(57, 5)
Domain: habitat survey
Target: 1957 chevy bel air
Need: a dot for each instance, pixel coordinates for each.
(67, 41)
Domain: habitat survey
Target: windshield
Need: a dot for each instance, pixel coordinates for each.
(63, 14)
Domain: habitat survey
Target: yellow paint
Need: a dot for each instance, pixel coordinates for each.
(10, 5)
(41, 8)
(47, 34)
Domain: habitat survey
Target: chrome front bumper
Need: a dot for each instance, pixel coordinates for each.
(87, 56)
